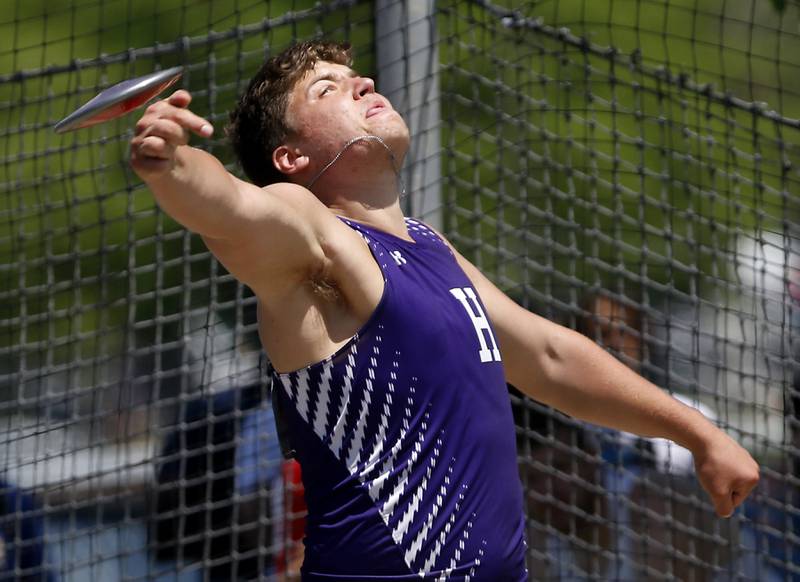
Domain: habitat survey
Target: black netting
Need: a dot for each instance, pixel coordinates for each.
(137, 441)
(629, 169)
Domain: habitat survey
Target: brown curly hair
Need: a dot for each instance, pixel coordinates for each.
(258, 122)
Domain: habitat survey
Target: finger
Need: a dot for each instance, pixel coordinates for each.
(742, 492)
(182, 117)
(168, 130)
(155, 147)
(150, 165)
(180, 98)
(193, 122)
(724, 504)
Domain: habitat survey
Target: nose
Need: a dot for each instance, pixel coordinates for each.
(363, 86)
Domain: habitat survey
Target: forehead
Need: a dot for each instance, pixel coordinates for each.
(324, 70)
(300, 94)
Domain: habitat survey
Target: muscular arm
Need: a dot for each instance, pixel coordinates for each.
(201, 194)
(256, 232)
(561, 368)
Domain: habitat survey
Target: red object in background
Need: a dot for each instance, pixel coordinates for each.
(793, 269)
(294, 522)
(794, 284)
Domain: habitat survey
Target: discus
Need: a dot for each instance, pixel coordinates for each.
(118, 100)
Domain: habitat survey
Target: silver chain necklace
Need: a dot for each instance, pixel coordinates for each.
(367, 137)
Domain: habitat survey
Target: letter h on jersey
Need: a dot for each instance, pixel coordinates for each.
(466, 296)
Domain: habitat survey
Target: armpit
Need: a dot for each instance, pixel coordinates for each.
(324, 288)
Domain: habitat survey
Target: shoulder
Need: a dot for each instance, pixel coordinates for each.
(296, 197)
(294, 193)
(338, 248)
(287, 235)
(420, 228)
(309, 212)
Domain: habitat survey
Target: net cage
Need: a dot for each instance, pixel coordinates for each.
(626, 168)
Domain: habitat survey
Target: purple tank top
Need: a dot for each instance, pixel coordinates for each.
(405, 435)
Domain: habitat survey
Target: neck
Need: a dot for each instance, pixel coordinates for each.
(388, 219)
(364, 188)
(374, 202)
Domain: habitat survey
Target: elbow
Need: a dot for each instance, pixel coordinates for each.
(548, 375)
(554, 360)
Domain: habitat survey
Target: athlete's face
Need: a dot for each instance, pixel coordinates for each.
(332, 104)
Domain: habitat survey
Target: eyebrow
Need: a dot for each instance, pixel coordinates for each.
(331, 76)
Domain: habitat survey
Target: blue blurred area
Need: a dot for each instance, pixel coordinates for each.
(219, 486)
(771, 534)
(22, 537)
(85, 549)
(209, 514)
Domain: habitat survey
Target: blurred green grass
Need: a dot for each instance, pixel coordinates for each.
(562, 167)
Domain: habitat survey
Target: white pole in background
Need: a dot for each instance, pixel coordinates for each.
(408, 75)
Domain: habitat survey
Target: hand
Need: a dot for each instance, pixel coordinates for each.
(165, 125)
(726, 471)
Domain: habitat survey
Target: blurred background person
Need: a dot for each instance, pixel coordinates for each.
(561, 469)
(654, 534)
(220, 487)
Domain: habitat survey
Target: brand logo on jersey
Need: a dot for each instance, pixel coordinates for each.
(398, 258)
(466, 296)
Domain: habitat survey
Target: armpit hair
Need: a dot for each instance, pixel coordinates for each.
(325, 289)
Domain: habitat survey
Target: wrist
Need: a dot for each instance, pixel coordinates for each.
(168, 172)
(700, 434)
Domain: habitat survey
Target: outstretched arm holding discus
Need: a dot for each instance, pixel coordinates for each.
(261, 228)
(312, 274)
(391, 351)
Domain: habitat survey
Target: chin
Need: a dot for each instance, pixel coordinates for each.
(396, 136)
(390, 123)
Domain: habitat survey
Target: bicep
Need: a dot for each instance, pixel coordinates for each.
(275, 234)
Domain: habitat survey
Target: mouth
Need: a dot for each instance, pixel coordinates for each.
(375, 110)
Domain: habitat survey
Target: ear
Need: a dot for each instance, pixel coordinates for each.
(289, 160)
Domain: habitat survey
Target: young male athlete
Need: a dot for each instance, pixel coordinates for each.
(389, 372)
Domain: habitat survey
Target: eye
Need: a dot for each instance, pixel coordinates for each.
(326, 89)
